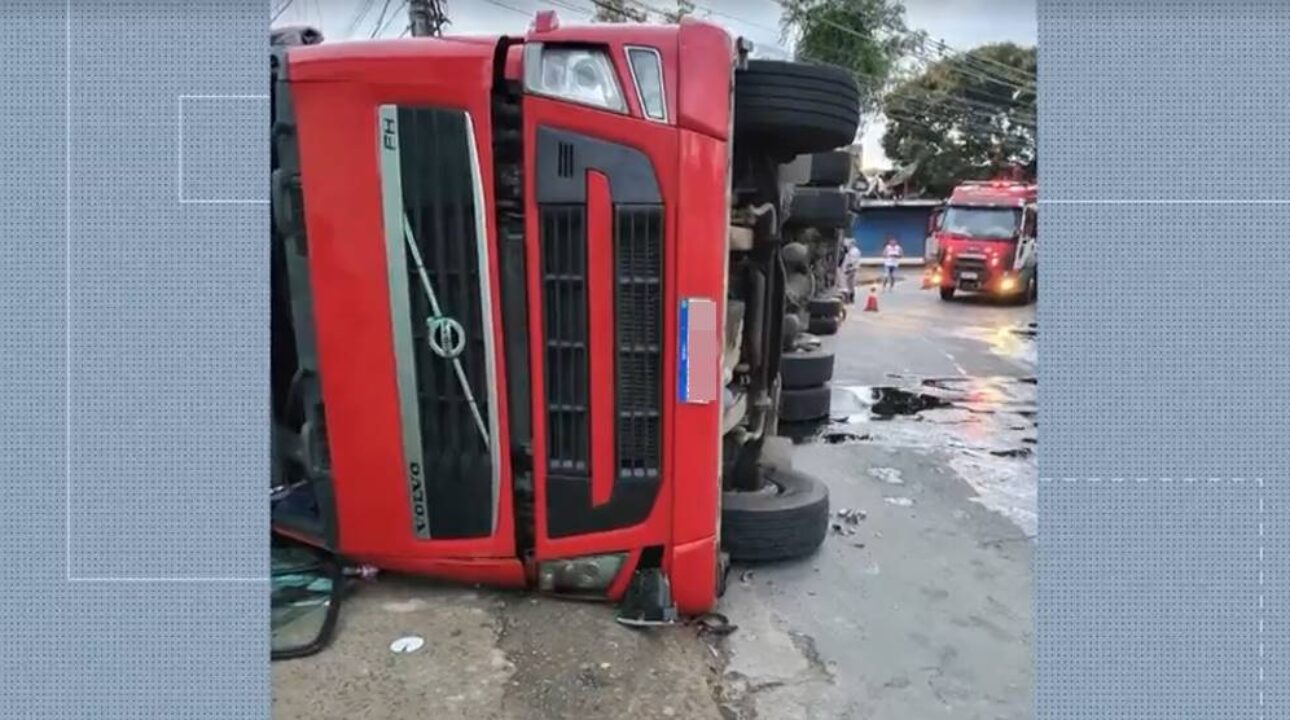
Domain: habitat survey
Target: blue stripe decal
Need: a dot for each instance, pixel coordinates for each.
(683, 361)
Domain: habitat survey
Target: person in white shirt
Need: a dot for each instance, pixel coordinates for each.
(891, 254)
(850, 267)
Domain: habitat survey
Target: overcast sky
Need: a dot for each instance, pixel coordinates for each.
(960, 23)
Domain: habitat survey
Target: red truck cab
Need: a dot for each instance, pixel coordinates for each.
(987, 240)
(511, 344)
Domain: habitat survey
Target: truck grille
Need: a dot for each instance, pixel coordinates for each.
(564, 306)
(638, 317)
(457, 467)
(639, 312)
(969, 264)
(586, 490)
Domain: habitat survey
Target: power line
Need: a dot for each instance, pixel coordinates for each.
(968, 105)
(381, 30)
(363, 10)
(931, 99)
(376, 29)
(393, 16)
(281, 9)
(1016, 78)
(959, 65)
(711, 11)
(500, 4)
(1017, 73)
(570, 6)
(921, 37)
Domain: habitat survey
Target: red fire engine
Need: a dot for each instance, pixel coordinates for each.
(987, 240)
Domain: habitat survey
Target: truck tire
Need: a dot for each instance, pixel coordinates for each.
(805, 404)
(823, 208)
(788, 518)
(805, 369)
(825, 307)
(796, 107)
(947, 294)
(830, 169)
(823, 326)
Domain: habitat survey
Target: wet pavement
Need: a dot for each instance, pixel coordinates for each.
(917, 606)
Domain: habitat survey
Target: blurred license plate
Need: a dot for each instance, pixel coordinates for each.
(968, 275)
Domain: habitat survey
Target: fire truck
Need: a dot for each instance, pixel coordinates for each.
(986, 237)
(529, 305)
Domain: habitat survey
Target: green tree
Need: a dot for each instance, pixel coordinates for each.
(868, 37)
(966, 116)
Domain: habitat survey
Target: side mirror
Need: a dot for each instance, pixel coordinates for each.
(304, 598)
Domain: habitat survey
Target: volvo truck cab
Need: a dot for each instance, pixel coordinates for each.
(529, 302)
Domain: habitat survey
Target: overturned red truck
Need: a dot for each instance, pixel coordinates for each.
(529, 302)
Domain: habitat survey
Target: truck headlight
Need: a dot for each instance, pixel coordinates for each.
(579, 575)
(578, 74)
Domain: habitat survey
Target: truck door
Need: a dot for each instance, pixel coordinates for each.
(397, 180)
(600, 173)
(932, 250)
(1028, 243)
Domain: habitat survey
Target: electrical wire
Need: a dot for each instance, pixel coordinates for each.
(933, 100)
(402, 6)
(965, 64)
(512, 8)
(281, 9)
(354, 22)
(1018, 74)
(940, 44)
(570, 6)
(376, 29)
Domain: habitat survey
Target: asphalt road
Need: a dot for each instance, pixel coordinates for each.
(919, 610)
(922, 608)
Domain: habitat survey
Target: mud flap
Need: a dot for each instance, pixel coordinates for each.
(648, 601)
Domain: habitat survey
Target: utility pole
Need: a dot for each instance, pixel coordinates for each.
(426, 17)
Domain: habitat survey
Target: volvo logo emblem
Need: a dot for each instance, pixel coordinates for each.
(446, 337)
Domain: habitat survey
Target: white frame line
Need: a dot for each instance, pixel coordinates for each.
(1262, 649)
(67, 335)
(180, 159)
(1163, 201)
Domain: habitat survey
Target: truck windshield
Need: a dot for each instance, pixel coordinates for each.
(981, 222)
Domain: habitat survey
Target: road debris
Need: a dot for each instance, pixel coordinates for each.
(852, 517)
(891, 476)
(407, 644)
(849, 519)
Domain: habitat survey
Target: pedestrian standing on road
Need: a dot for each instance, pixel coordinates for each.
(850, 267)
(891, 254)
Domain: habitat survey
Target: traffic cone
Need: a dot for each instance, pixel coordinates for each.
(871, 304)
